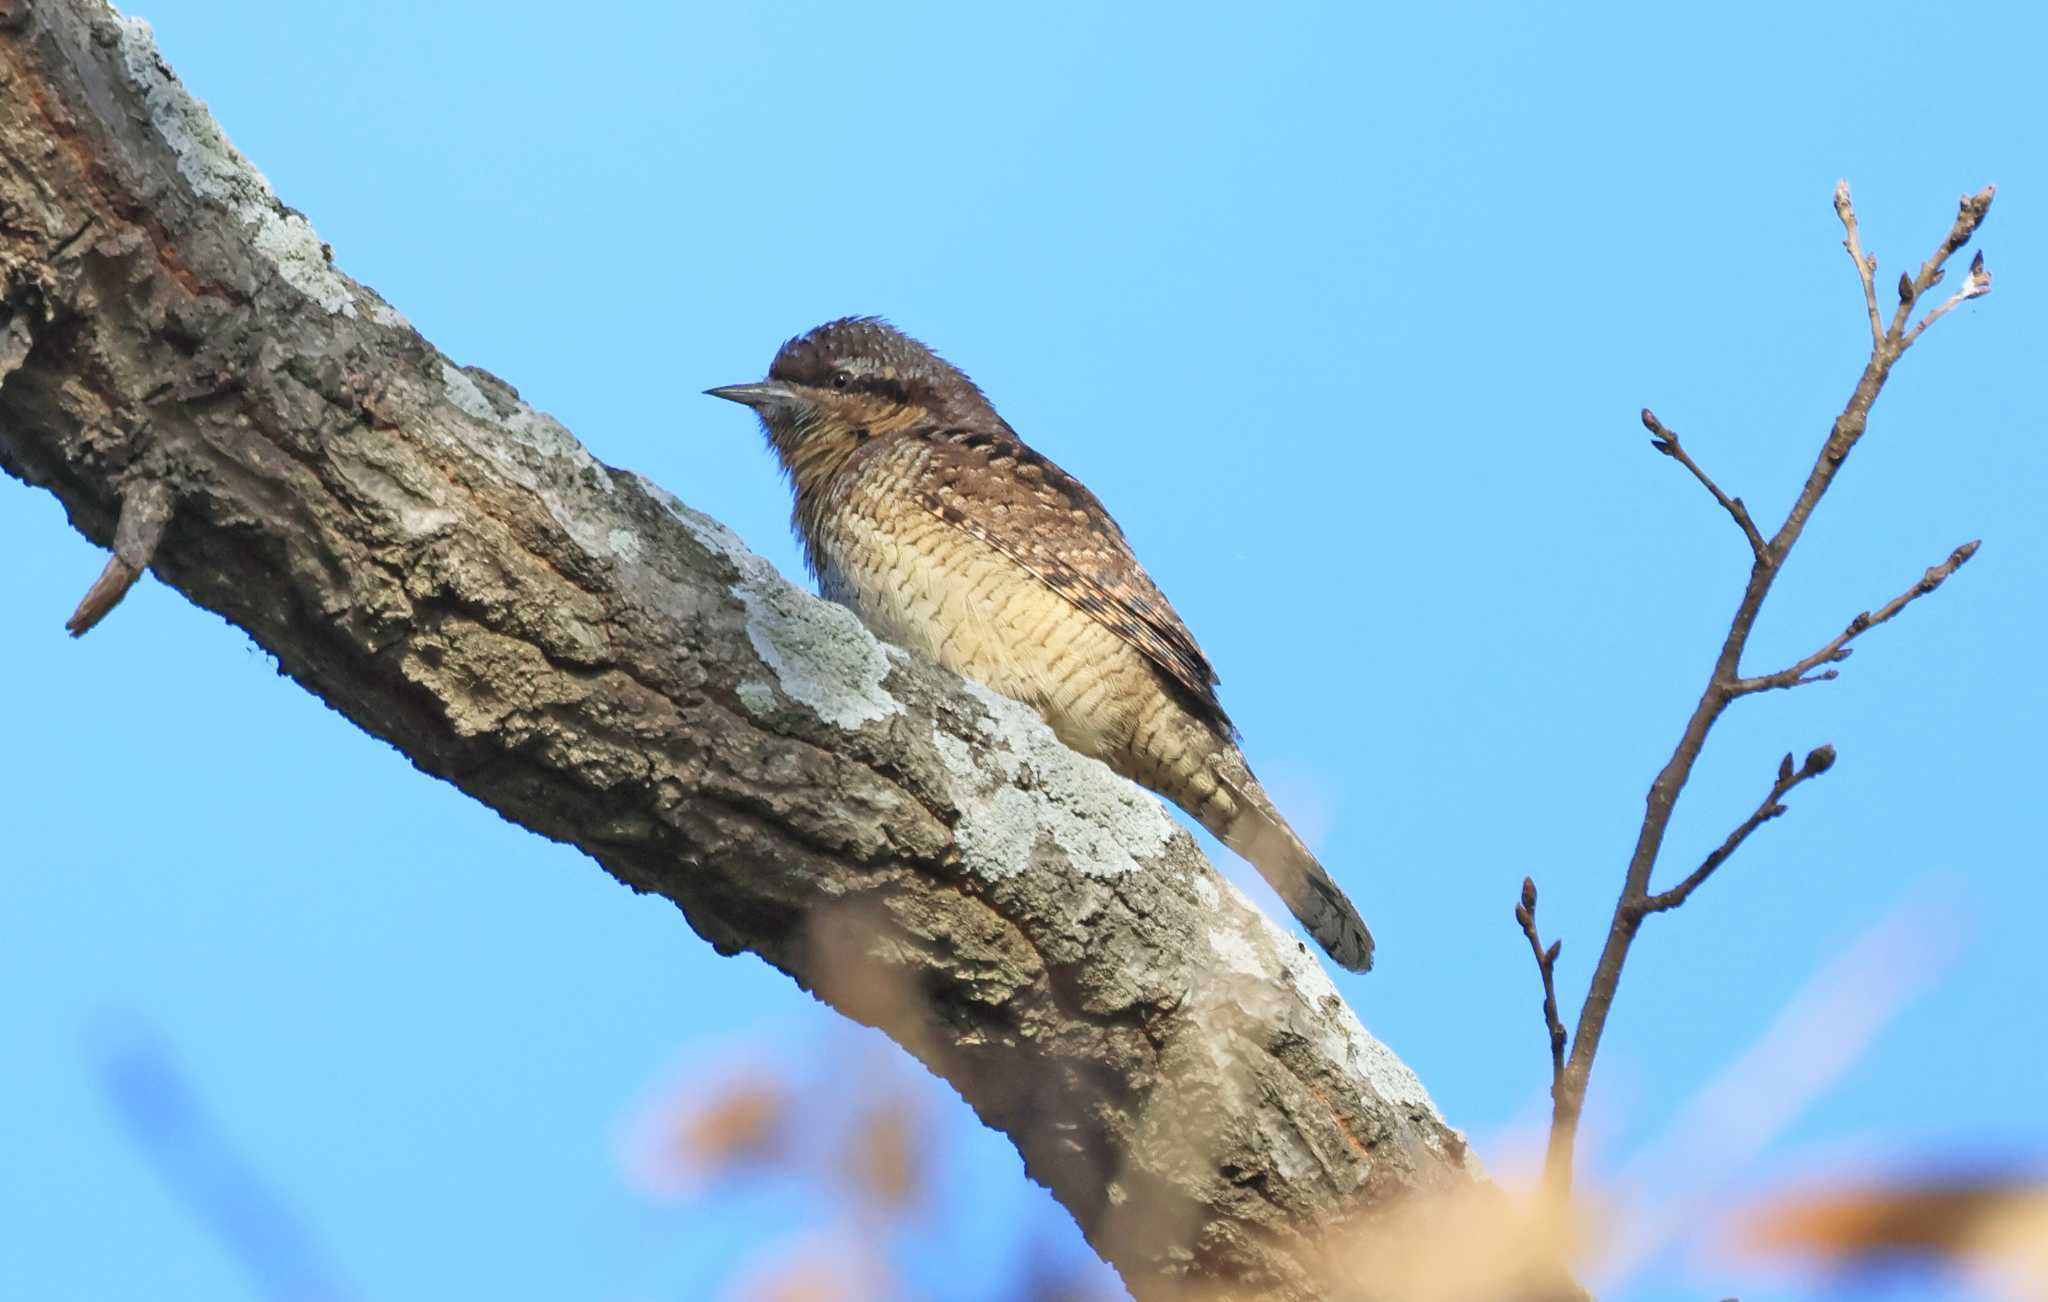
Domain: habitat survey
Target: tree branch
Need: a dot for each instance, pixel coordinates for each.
(145, 512)
(1977, 285)
(1725, 683)
(1666, 441)
(593, 659)
(1838, 650)
(1866, 263)
(1818, 761)
(1546, 968)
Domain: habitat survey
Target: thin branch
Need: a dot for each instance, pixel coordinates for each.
(145, 510)
(1839, 650)
(1546, 967)
(1976, 285)
(1818, 761)
(1971, 210)
(1866, 263)
(1665, 441)
(1724, 683)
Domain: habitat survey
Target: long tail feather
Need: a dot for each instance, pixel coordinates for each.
(1263, 837)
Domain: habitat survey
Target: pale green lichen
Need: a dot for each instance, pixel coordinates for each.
(218, 172)
(1105, 824)
(819, 654)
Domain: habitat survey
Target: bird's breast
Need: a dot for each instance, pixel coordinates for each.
(948, 597)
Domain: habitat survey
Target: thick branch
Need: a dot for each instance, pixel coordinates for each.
(450, 570)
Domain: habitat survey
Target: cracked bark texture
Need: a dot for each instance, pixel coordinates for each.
(580, 651)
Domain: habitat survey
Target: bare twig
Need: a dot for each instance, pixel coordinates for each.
(1546, 967)
(1976, 286)
(1971, 210)
(1839, 650)
(1665, 441)
(1818, 761)
(1866, 263)
(1725, 683)
(145, 510)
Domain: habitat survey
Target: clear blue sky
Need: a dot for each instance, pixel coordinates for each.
(1346, 312)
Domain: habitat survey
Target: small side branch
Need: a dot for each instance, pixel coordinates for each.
(1839, 650)
(1546, 967)
(1818, 761)
(1976, 285)
(1866, 263)
(1971, 210)
(1665, 441)
(145, 511)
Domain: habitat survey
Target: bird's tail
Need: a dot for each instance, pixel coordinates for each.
(1257, 831)
(1191, 762)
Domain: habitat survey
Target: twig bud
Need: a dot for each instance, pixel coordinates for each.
(1842, 197)
(1820, 759)
(1905, 288)
(1550, 955)
(1529, 893)
(1974, 208)
(1785, 768)
(1522, 916)
(1979, 282)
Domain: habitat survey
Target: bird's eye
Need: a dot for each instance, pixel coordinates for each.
(840, 379)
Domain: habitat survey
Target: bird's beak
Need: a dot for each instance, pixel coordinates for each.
(761, 397)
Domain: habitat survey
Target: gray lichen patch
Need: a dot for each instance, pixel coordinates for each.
(758, 697)
(467, 397)
(216, 171)
(819, 654)
(1037, 787)
(625, 544)
(543, 445)
(543, 457)
(1250, 947)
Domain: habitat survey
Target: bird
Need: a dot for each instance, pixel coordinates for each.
(919, 508)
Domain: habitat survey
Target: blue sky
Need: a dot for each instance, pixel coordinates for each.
(1347, 314)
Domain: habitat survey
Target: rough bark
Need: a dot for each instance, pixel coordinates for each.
(582, 652)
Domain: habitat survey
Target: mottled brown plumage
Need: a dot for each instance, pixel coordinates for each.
(923, 511)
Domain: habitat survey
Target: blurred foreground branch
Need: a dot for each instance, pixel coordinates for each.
(184, 369)
(1725, 684)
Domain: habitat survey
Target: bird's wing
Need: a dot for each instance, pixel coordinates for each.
(998, 489)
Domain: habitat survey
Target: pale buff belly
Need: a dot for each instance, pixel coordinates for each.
(952, 599)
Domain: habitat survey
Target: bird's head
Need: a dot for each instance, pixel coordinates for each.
(848, 381)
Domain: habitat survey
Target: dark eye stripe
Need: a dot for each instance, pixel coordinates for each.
(881, 387)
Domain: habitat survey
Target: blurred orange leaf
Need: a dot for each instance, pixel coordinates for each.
(1994, 1224)
(742, 1122)
(881, 1164)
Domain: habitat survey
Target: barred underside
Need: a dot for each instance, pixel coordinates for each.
(942, 592)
